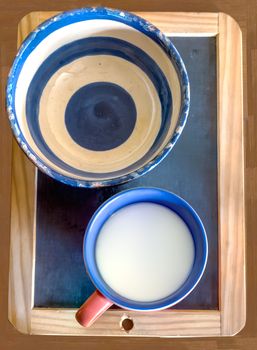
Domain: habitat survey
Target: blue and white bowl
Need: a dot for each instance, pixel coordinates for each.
(97, 97)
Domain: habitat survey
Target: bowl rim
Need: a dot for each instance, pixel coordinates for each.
(139, 23)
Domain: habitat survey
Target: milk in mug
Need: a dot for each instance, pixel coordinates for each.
(145, 252)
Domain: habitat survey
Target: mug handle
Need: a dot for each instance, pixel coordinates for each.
(92, 308)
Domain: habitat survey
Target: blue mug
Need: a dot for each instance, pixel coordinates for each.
(105, 296)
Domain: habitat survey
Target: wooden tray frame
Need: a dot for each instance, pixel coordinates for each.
(230, 318)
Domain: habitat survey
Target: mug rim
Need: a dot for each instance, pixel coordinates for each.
(91, 235)
(76, 15)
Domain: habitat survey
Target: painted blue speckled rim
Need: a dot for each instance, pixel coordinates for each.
(158, 196)
(83, 14)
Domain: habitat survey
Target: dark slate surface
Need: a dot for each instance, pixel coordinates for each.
(190, 171)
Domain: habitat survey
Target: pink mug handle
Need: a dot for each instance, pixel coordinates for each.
(92, 308)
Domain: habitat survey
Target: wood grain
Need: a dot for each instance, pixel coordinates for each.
(21, 241)
(231, 177)
(171, 23)
(184, 24)
(245, 13)
(230, 318)
(166, 323)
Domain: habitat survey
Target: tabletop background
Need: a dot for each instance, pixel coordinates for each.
(245, 13)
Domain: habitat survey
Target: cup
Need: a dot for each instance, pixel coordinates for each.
(185, 227)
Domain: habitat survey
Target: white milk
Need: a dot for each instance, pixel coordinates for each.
(145, 252)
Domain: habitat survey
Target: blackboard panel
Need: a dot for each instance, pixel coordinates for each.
(189, 171)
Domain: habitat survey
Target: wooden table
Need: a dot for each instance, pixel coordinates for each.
(10, 14)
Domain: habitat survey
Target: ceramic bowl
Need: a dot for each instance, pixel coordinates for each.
(97, 96)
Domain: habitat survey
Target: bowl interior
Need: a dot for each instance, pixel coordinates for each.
(95, 98)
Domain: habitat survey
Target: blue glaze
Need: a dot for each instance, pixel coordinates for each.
(100, 116)
(83, 14)
(158, 196)
(88, 47)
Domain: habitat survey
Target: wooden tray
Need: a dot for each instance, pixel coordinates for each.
(47, 277)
